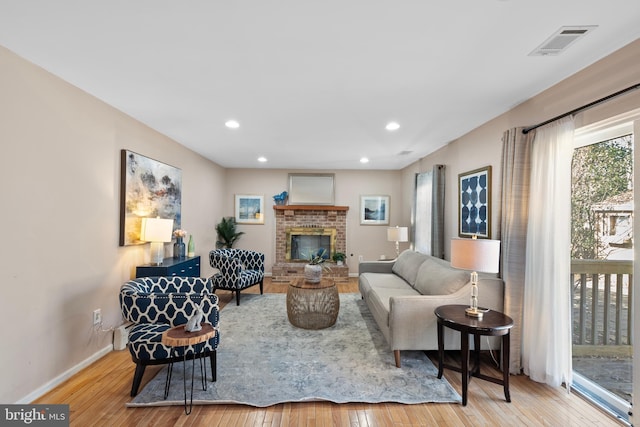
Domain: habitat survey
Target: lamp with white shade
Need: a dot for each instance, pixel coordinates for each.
(398, 234)
(157, 231)
(477, 255)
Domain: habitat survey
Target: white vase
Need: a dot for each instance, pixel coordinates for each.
(313, 273)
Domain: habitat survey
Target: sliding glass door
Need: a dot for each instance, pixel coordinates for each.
(602, 266)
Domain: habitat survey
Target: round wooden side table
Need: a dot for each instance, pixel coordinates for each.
(493, 323)
(312, 305)
(178, 337)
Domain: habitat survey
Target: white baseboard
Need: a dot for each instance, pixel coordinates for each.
(64, 376)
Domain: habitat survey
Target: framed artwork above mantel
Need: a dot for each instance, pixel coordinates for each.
(311, 188)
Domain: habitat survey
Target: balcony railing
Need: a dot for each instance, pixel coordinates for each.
(601, 296)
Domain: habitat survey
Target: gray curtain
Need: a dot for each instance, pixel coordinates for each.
(516, 171)
(428, 212)
(437, 213)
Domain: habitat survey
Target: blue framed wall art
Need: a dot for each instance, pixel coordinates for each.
(474, 207)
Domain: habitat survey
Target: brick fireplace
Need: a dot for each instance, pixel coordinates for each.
(312, 220)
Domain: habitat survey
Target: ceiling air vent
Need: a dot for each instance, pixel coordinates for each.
(561, 40)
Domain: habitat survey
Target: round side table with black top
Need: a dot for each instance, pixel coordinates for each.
(179, 337)
(492, 323)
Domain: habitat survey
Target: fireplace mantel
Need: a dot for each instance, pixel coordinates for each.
(309, 208)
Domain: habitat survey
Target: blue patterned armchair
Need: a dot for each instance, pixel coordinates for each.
(238, 269)
(156, 304)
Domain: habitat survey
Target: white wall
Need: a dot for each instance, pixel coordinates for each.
(60, 258)
(370, 241)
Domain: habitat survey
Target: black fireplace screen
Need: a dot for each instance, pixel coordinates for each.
(303, 242)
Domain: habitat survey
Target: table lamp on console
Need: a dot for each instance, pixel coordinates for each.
(158, 231)
(476, 255)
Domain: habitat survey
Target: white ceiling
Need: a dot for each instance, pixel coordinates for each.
(312, 83)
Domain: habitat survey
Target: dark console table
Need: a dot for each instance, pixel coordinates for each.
(185, 267)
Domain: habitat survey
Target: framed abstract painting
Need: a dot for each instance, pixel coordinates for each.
(148, 188)
(474, 203)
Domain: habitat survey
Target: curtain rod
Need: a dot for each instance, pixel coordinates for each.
(584, 107)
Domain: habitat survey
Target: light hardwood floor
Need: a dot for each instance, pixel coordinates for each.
(97, 397)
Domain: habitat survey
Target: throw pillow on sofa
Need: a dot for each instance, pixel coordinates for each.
(407, 265)
(436, 279)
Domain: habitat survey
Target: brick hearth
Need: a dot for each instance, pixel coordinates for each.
(308, 216)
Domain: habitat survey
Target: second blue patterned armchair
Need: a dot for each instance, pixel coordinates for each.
(238, 270)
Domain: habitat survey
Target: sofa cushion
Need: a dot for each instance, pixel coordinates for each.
(380, 299)
(373, 281)
(436, 279)
(407, 265)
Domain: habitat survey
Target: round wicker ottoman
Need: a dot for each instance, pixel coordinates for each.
(312, 305)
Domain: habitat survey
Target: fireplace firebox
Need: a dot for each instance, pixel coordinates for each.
(302, 242)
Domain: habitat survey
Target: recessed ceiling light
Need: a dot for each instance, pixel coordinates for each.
(262, 159)
(391, 126)
(232, 124)
(364, 160)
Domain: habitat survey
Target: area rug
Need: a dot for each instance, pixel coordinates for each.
(264, 360)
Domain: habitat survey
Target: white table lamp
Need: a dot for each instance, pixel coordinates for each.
(476, 255)
(157, 231)
(398, 234)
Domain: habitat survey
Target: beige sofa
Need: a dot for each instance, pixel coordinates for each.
(403, 294)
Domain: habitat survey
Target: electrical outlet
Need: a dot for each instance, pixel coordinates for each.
(97, 317)
(360, 258)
